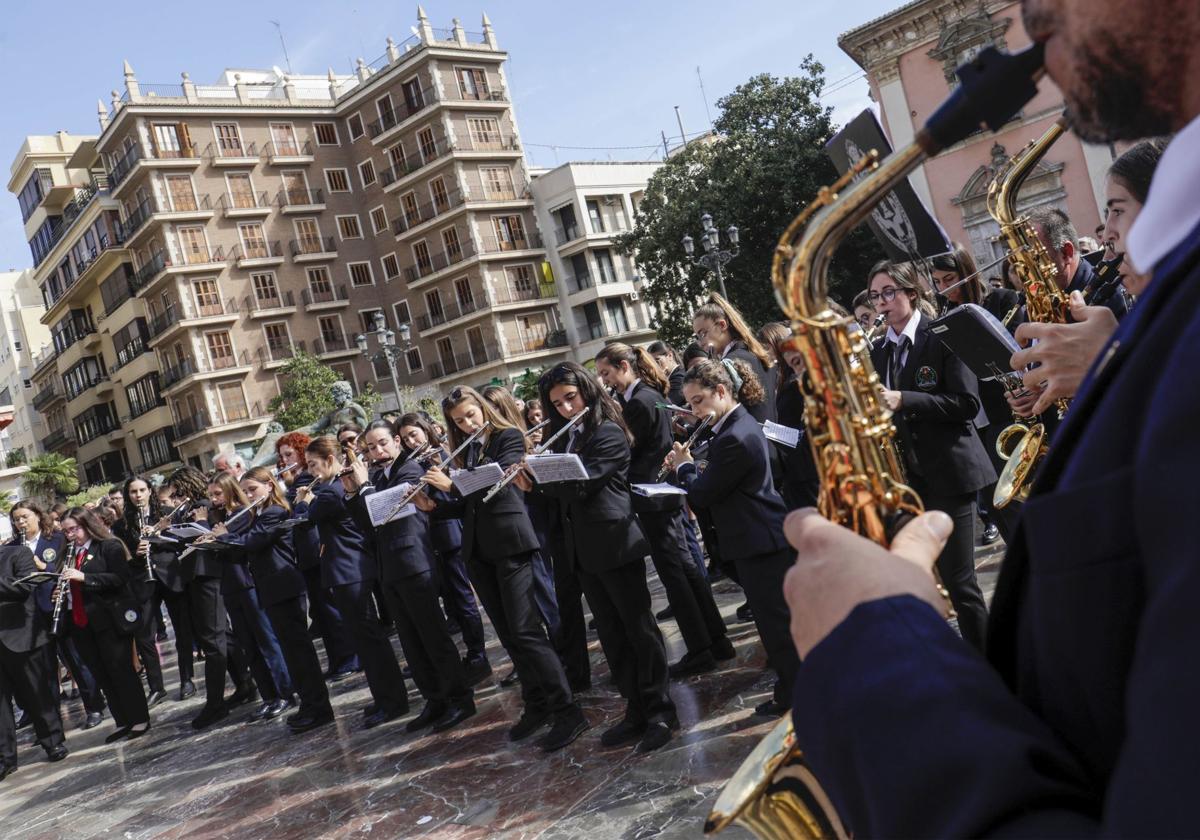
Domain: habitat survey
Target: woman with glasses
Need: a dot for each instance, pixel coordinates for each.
(934, 400)
(723, 332)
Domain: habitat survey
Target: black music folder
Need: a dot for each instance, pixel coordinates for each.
(978, 338)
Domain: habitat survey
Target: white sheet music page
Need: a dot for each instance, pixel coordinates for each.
(551, 467)
(781, 434)
(660, 489)
(381, 503)
(480, 478)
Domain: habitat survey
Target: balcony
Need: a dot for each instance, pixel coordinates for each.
(334, 346)
(437, 262)
(301, 201)
(333, 298)
(188, 369)
(85, 384)
(448, 314)
(137, 409)
(133, 348)
(494, 143)
(245, 205)
(237, 154)
(524, 242)
(258, 253)
(44, 358)
(399, 113)
(281, 303)
(497, 94)
(289, 152)
(124, 286)
(46, 397)
(411, 163)
(192, 208)
(84, 196)
(314, 249)
(189, 426)
(192, 315)
(91, 424)
(566, 235)
(535, 293)
(186, 156)
(532, 341)
(276, 355)
(579, 282)
(58, 440)
(411, 217)
(146, 275)
(463, 362)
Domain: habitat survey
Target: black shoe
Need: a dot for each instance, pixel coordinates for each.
(529, 723)
(722, 649)
(455, 715)
(744, 613)
(209, 715)
(304, 722)
(155, 698)
(406, 672)
(138, 730)
(656, 735)
(118, 735)
(510, 679)
(24, 720)
(261, 712)
(244, 694)
(7, 770)
(477, 670)
(57, 753)
(92, 720)
(625, 732)
(384, 715)
(342, 671)
(714, 574)
(429, 714)
(692, 664)
(369, 710)
(990, 534)
(186, 690)
(771, 708)
(664, 614)
(566, 729)
(278, 707)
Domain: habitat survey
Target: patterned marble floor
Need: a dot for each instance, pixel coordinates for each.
(250, 781)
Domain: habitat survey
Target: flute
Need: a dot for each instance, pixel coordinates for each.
(207, 538)
(412, 494)
(700, 427)
(512, 471)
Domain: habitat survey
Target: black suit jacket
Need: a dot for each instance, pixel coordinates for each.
(402, 545)
(167, 569)
(48, 549)
(597, 514)
(107, 577)
(675, 391)
(23, 627)
(736, 489)
(801, 483)
(305, 541)
(347, 555)
(765, 410)
(269, 556)
(652, 439)
(935, 426)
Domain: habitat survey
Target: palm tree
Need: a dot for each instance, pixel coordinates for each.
(50, 477)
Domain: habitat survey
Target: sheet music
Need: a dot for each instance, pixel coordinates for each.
(381, 503)
(779, 433)
(660, 489)
(480, 478)
(37, 578)
(550, 467)
(188, 530)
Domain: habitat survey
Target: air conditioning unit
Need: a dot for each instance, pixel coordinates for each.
(633, 295)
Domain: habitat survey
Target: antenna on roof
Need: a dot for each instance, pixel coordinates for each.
(704, 96)
(283, 44)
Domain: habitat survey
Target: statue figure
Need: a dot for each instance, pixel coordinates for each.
(345, 410)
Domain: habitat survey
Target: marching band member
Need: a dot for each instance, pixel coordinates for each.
(640, 386)
(721, 330)
(801, 482)
(281, 591)
(607, 550)
(349, 570)
(408, 573)
(736, 488)
(446, 534)
(935, 400)
(104, 613)
(668, 362)
(498, 547)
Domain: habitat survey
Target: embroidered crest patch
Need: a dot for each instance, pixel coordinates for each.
(926, 378)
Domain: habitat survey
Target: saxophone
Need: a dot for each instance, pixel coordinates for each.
(774, 793)
(1023, 446)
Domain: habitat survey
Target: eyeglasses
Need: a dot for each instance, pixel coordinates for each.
(887, 295)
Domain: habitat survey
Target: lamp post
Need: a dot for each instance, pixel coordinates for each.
(714, 257)
(388, 350)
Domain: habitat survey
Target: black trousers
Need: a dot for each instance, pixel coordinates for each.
(956, 564)
(179, 609)
(687, 589)
(31, 678)
(762, 580)
(146, 638)
(428, 646)
(712, 544)
(370, 638)
(572, 642)
(339, 649)
(290, 622)
(108, 655)
(505, 586)
(211, 626)
(632, 643)
(459, 600)
(89, 689)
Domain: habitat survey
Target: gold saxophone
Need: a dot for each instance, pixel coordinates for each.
(774, 793)
(1022, 445)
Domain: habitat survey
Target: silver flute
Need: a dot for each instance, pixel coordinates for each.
(511, 472)
(412, 494)
(700, 427)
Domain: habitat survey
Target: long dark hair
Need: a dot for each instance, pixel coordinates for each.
(717, 308)
(190, 482)
(422, 422)
(458, 395)
(93, 526)
(603, 407)
(640, 360)
(709, 374)
(45, 523)
(959, 261)
(1135, 167)
(130, 513)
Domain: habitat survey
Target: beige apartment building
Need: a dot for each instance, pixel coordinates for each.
(209, 231)
(21, 311)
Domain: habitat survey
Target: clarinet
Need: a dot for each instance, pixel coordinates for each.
(60, 594)
(142, 533)
(700, 427)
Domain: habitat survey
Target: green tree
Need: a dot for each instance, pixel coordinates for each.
(88, 494)
(50, 477)
(766, 163)
(525, 386)
(15, 458)
(305, 397)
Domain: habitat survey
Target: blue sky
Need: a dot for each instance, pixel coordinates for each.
(582, 75)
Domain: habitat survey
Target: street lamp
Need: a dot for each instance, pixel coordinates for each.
(388, 349)
(713, 258)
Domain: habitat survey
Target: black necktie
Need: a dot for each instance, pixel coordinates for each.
(896, 363)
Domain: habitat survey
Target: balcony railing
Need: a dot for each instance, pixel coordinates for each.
(333, 344)
(313, 245)
(174, 374)
(192, 424)
(579, 282)
(289, 149)
(137, 409)
(215, 151)
(203, 254)
(410, 163)
(439, 261)
(46, 396)
(569, 233)
(58, 438)
(244, 201)
(496, 94)
(463, 361)
(536, 291)
(74, 208)
(410, 217)
(132, 349)
(85, 384)
(492, 245)
(280, 300)
(498, 143)
(130, 159)
(300, 198)
(258, 250)
(530, 341)
(237, 414)
(400, 112)
(450, 312)
(149, 271)
(332, 295)
(279, 352)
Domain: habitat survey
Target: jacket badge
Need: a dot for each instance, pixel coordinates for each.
(926, 378)
(48, 555)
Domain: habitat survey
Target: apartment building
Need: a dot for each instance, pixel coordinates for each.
(586, 204)
(209, 231)
(21, 309)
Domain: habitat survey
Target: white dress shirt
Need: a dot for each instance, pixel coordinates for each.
(909, 332)
(1172, 209)
(629, 391)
